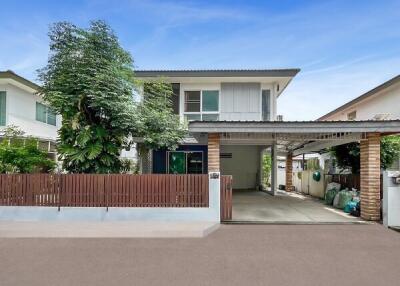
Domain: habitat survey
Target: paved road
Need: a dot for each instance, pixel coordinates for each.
(233, 255)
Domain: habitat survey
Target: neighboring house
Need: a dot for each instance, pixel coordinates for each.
(380, 103)
(220, 95)
(22, 107)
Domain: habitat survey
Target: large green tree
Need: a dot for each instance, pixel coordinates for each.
(156, 123)
(348, 155)
(89, 80)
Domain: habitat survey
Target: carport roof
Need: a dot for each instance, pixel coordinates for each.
(298, 137)
(297, 127)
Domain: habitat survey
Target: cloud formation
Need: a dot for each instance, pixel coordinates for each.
(343, 47)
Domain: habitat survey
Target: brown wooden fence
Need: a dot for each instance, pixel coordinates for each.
(352, 181)
(347, 180)
(226, 198)
(93, 190)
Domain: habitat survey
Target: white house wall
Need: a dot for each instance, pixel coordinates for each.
(243, 165)
(21, 111)
(240, 101)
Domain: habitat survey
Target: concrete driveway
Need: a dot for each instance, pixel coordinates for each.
(256, 206)
(232, 255)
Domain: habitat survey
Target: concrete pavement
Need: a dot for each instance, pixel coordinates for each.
(255, 206)
(118, 229)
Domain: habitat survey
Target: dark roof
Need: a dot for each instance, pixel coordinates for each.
(18, 78)
(373, 91)
(382, 126)
(219, 73)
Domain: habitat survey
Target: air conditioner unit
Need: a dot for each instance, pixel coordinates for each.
(279, 118)
(381, 116)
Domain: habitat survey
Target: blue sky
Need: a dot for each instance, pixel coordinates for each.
(343, 48)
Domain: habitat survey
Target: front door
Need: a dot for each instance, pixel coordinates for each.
(176, 163)
(185, 162)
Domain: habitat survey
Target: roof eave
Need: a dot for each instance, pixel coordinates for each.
(13, 76)
(217, 73)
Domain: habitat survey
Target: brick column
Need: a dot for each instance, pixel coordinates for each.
(289, 172)
(213, 152)
(370, 172)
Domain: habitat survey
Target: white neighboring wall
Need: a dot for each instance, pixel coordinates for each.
(385, 102)
(383, 105)
(21, 111)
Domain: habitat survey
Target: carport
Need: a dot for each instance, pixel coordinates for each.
(298, 137)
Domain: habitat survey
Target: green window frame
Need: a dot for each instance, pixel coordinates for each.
(45, 114)
(3, 102)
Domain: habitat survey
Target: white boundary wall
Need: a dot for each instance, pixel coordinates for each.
(212, 213)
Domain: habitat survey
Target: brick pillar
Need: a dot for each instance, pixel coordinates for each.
(370, 172)
(289, 172)
(213, 152)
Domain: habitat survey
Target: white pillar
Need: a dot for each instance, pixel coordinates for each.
(214, 194)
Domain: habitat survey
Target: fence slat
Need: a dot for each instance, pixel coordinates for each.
(226, 198)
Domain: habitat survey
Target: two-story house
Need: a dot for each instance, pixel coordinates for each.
(22, 107)
(224, 96)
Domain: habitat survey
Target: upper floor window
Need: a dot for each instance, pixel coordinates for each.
(2, 108)
(201, 105)
(175, 97)
(45, 114)
(266, 104)
(352, 115)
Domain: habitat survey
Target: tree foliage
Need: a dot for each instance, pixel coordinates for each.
(156, 123)
(348, 155)
(266, 168)
(89, 80)
(21, 155)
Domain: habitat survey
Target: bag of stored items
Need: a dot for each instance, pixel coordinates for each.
(332, 186)
(350, 206)
(331, 190)
(336, 201)
(329, 196)
(356, 210)
(356, 198)
(345, 196)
